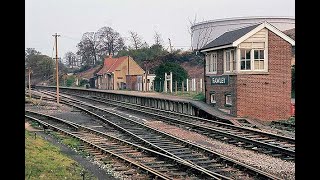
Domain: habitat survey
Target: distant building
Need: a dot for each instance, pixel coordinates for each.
(112, 75)
(248, 72)
(137, 82)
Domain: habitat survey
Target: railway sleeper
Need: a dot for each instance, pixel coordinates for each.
(163, 143)
(197, 159)
(189, 155)
(180, 152)
(123, 151)
(159, 141)
(215, 165)
(207, 161)
(156, 162)
(177, 149)
(160, 165)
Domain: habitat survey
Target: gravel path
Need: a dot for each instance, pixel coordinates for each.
(276, 166)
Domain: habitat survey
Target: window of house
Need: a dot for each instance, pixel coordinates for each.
(211, 63)
(214, 63)
(245, 59)
(228, 62)
(213, 98)
(228, 99)
(207, 62)
(258, 59)
(234, 57)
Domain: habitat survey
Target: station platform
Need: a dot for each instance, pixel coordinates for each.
(170, 102)
(199, 104)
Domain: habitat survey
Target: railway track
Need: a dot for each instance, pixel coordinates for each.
(201, 157)
(263, 142)
(157, 165)
(283, 126)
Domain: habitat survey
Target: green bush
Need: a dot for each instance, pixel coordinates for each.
(199, 97)
(83, 82)
(69, 82)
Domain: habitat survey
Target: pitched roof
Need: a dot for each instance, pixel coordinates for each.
(291, 33)
(235, 37)
(229, 37)
(111, 64)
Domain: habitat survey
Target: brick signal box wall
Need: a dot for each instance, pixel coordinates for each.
(259, 96)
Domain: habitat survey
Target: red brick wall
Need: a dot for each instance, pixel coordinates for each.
(268, 97)
(220, 90)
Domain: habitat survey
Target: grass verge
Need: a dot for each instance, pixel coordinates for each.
(45, 161)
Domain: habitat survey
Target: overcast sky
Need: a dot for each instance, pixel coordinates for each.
(72, 18)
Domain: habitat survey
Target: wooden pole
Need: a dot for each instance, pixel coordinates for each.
(57, 64)
(29, 72)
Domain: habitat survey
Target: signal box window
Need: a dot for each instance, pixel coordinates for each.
(212, 98)
(228, 99)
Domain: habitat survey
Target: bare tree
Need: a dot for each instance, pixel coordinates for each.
(136, 40)
(204, 35)
(88, 47)
(157, 38)
(110, 41)
(192, 23)
(70, 59)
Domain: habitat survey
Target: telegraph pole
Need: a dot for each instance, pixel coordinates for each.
(170, 45)
(57, 63)
(29, 72)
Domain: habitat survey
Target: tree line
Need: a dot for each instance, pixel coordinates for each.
(95, 46)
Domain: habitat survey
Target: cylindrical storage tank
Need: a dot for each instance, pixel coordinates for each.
(204, 32)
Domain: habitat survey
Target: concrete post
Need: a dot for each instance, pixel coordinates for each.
(187, 84)
(200, 85)
(170, 82)
(165, 83)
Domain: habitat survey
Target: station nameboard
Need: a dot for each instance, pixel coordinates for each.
(220, 80)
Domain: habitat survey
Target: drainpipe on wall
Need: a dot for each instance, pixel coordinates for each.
(204, 77)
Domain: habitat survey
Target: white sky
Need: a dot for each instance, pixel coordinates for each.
(72, 18)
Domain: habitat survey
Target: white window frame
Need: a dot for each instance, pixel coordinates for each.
(226, 97)
(232, 61)
(207, 63)
(211, 63)
(227, 63)
(264, 58)
(252, 69)
(213, 98)
(240, 60)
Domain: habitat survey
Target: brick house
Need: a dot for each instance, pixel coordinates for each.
(113, 74)
(248, 72)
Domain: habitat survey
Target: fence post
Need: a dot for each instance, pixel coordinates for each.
(187, 84)
(176, 87)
